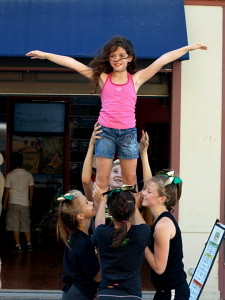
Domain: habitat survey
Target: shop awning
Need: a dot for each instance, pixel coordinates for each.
(79, 28)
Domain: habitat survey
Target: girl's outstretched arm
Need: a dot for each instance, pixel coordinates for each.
(88, 163)
(145, 74)
(143, 149)
(65, 61)
(101, 200)
(137, 217)
(147, 173)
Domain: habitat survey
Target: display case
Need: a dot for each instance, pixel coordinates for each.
(84, 111)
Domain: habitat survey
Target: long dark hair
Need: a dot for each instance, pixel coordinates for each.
(100, 64)
(121, 206)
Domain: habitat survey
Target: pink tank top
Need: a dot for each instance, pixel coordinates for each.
(118, 104)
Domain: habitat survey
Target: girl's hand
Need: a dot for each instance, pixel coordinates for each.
(198, 46)
(97, 193)
(95, 133)
(144, 142)
(36, 54)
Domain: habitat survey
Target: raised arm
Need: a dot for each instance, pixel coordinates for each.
(145, 74)
(65, 61)
(101, 200)
(147, 173)
(137, 217)
(143, 148)
(88, 163)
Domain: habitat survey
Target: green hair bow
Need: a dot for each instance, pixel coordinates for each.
(69, 196)
(124, 188)
(171, 178)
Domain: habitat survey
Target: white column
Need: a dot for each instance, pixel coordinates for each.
(200, 159)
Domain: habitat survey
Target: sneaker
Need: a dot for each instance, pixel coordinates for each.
(18, 249)
(29, 248)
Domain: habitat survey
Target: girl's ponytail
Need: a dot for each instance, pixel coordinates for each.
(121, 205)
(67, 223)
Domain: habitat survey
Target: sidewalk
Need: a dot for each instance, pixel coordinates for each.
(30, 294)
(44, 295)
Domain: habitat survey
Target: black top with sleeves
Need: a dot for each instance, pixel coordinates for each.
(174, 274)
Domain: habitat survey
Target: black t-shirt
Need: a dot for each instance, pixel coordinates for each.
(121, 266)
(80, 264)
(174, 273)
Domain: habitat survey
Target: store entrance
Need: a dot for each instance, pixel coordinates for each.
(55, 160)
(37, 128)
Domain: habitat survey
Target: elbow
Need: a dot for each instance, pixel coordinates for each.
(85, 181)
(97, 277)
(159, 271)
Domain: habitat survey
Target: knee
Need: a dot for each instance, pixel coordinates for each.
(102, 180)
(129, 179)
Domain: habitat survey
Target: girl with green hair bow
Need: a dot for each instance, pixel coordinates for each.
(165, 254)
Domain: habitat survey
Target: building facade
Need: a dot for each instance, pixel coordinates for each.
(202, 138)
(182, 107)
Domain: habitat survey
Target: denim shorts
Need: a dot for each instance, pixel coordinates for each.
(122, 141)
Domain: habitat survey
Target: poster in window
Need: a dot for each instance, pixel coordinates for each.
(41, 155)
(31, 149)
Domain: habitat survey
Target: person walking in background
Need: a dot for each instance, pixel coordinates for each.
(165, 255)
(80, 263)
(113, 71)
(19, 186)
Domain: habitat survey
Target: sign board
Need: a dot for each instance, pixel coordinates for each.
(206, 260)
(39, 117)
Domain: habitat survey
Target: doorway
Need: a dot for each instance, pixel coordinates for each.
(153, 115)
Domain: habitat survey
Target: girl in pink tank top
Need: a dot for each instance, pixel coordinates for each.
(113, 71)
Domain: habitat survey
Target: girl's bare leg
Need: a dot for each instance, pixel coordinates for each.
(103, 169)
(128, 168)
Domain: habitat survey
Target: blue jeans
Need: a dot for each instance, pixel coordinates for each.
(124, 141)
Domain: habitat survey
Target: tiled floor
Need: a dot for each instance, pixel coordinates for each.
(42, 268)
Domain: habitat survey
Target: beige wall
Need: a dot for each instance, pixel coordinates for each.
(201, 96)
